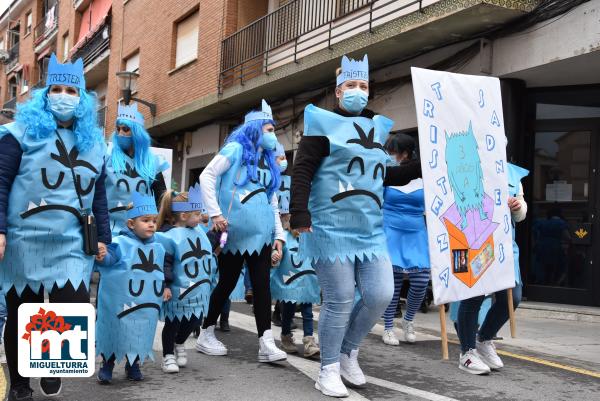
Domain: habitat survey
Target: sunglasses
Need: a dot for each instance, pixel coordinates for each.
(123, 128)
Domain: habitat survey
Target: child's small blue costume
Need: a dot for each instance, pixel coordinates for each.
(130, 292)
(44, 235)
(347, 189)
(251, 218)
(294, 280)
(405, 229)
(121, 183)
(193, 264)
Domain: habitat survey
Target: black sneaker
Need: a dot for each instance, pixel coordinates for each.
(249, 296)
(20, 393)
(276, 319)
(224, 325)
(50, 386)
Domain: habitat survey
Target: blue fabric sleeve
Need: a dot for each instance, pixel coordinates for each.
(10, 160)
(100, 209)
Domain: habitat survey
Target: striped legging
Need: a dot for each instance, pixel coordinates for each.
(416, 293)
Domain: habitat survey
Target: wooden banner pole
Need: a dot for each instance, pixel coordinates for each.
(511, 314)
(444, 333)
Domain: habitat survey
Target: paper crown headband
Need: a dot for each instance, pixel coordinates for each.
(69, 74)
(130, 113)
(194, 202)
(142, 206)
(354, 69)
(264, 114)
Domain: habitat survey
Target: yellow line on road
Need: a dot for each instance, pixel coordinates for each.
(544, 362)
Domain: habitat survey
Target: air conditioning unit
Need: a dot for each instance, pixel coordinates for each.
(4, 56)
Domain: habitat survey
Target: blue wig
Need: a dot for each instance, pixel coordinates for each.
(143, 159)
(249, 136)
(35, 114)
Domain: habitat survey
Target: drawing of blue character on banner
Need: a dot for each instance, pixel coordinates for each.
(193, 264)
(131, 290)
(56, 183)
(350, 179)
(130, 166)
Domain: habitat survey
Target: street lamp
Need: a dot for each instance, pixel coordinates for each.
(128, 85)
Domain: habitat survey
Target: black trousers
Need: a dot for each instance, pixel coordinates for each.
(230, 267)
(177, 332)
(67, 294)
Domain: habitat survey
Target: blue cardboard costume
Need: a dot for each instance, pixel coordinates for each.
(193, 264)
(246, 201)
(347, 189)
(44, 234)
(126, 174)
(405, 229)
(130, 292)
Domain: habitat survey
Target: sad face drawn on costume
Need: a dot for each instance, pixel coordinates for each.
(68, 160)
(264, 178)
(378, 171)
(288, 279)
(138, 281)
(191, 268)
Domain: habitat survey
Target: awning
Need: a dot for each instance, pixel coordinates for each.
(44, 53)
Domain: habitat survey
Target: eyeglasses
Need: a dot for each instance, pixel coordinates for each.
(123, 128)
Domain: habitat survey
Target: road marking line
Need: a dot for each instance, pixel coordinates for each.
(311, 368)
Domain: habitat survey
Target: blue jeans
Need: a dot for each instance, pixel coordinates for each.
(494, 320)
(288, 309)
(247, 281)
(343, 323)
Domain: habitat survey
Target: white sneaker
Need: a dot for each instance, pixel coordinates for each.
(330, 383)
(487, 353)
(350, 371)
(180, 355)
(409, 331)
(208, 344)
(267, 350)
(471, 362)
(389, 337)
(169, 365)
(2, 354)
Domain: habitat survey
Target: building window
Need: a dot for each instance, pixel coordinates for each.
(13, 87)
(29, 22)
(65, 42)
(132, 63)
(2, 44)
(187, 39)
(14, 35)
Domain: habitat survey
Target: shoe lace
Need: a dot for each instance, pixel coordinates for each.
(410, 328)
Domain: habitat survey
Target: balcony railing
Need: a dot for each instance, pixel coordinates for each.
(299, 28)
(13, 57)
(46, 26)
(11, 104)
(94, 46)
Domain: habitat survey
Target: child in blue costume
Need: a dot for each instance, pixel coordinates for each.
(52, 172)
(406, 233)
(239, 189)
(478, 352)
(336, 199)
(193, 269)
(131, 292)
(294, 282)
(131, 166)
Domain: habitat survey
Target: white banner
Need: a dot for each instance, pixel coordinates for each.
(463, 157)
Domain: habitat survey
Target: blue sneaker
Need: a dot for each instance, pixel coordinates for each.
(105, 372)
(133, 372)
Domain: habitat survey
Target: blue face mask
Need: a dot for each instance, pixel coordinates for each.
(354, 100)
(283, 166)
(62, 105)
(124, 142)
(268, 141)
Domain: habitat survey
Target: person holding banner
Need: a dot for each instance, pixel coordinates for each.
(131, 166)
(406, 233)
(47, 239)
(340, 171)
(478, 352)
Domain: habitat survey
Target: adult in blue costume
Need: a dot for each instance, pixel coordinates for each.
(193, 270)
(131, 292)
(51, 171)
(478, 353)
(406, 233)
(131, 166)
(239, 189)
(336, 199)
